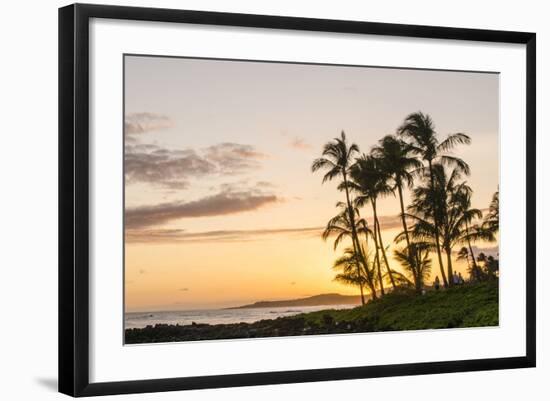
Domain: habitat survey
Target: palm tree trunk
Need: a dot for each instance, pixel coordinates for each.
(415, 264)
(449, 265)
(448, 251)
(474, 264)
(362, 294)
(382, 291)
(384, 251)
(436, 224)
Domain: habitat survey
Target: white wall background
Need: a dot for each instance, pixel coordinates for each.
(28, 198)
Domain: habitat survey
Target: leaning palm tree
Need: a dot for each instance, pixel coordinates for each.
(399, 162)
(337, 158)
(420, 130)
(369, 180)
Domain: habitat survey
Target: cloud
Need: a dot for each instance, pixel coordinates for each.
(142, 271)
(185, 289)
(141, 123)
(178, 235)
(234, 158)
(264, 184)
(299, 144)
(487, 250)
(222, 203)
(389, 222)
(141, 222)
(173, 169)
(163, 167)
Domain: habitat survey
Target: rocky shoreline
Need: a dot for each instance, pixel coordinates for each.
(280, 327)
(472, 305)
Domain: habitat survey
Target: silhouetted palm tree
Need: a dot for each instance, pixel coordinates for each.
(341, 227)
(490, 265)
(369, 180)
(470, 233)
(353, 272)
(399, 162)
(363, 228)
(416, 262)
(337, 159)
(452, 210)
(491, 220)
(420, 130)
(350, 269)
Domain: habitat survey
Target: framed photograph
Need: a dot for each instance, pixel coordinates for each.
(251, 199)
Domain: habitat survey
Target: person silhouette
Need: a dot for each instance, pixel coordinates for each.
(436, 283)
(455, 278)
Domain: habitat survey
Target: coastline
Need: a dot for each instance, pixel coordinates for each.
(471, 305)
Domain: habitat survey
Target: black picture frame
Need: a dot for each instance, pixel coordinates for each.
(74, 198)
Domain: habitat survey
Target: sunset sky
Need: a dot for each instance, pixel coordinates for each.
(221, 205)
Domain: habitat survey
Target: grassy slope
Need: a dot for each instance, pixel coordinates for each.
(466, 306)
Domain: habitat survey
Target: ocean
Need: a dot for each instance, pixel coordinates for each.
(218, 316)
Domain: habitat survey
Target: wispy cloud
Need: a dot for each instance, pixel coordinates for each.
(140, 227)
(389, 222)
(234, 158)
(222, 203)
(177, 235)
(141, 123)
(299, 144)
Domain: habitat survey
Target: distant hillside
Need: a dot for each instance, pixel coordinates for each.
(316, 300)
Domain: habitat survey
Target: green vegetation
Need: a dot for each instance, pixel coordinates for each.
(471, 305)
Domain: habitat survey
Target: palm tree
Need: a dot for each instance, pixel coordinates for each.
(420, 130)
(415, 260)
(352, 271)
(470, 233)
(452, 200)
(341, 227)
(475, 272)
(337, 159)
(399, 163)
(369, 180)
(491, 220)
(485, 232)
(490, 265)
(363, 228)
